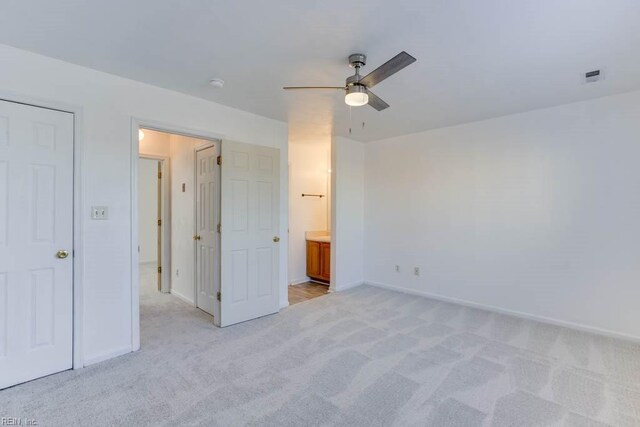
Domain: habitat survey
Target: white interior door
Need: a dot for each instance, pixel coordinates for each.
(250, 227)
(36, 236)
(207, 219)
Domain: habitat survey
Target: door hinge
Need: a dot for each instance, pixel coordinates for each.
(159, 175)
(159, 222)
(219, 160)
(219, 228)
(219, 296)
(159, 270)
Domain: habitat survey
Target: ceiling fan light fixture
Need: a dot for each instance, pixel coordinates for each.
(356, 96)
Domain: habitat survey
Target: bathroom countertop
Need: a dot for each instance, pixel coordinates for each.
(320, 239)
(318, 236)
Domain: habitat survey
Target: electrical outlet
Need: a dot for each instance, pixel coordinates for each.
(99, 212)
(397, 269)
(416, 271)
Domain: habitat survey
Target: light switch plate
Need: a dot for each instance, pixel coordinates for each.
(99, 212)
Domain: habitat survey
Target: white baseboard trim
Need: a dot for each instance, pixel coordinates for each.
(520, 314)
(284, 304)
(182, 297)
(299, 281)
(106, 355)
(349, 286)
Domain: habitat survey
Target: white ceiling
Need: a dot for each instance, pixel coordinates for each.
(476, 59)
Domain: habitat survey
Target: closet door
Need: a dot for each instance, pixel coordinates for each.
(36, 237)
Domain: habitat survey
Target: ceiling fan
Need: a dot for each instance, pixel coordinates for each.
(357, 87)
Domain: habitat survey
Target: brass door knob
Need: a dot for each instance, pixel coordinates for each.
(276, 239)
(196, 237)
(62, 254)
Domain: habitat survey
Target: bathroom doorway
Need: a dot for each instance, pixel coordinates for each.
(309, 219)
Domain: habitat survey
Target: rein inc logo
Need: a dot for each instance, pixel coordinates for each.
(18, 421)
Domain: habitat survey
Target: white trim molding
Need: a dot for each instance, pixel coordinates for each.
(300, 281)
(519, 314)
(108, 355)
(182, 297)
(340, 288)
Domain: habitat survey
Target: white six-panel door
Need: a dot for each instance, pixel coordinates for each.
(207, 218)
(36, 232)
(250, 232)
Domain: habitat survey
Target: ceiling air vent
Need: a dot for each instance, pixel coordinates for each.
(593, 76)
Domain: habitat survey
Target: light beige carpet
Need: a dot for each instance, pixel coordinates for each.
(363, 357)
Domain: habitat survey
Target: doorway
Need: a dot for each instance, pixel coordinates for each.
(178, 202)
(310, 245)
(36, 242)
(240, 281)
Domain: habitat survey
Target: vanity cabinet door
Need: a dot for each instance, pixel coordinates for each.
(313, 259)
(325, 261)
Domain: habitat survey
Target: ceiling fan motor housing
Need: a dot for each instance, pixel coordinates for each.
(357, 60)
(356, 88)
(353, 80)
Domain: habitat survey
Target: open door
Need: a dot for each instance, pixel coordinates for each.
(249, 236)
(207, 216)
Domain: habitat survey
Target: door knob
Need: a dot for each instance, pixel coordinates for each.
(276, 239)
(62, 254)
(196, 237)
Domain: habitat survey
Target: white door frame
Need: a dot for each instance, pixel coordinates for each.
(165, 217)
(78, 253)
(136, 124)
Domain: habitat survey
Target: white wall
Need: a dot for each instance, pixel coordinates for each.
(347, 234)
(107, 105)
(147, 210)
(536, 213)
(309, 163)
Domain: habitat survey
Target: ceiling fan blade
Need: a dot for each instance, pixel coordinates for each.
(376, 102)
(387, 69)
(313, 87)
